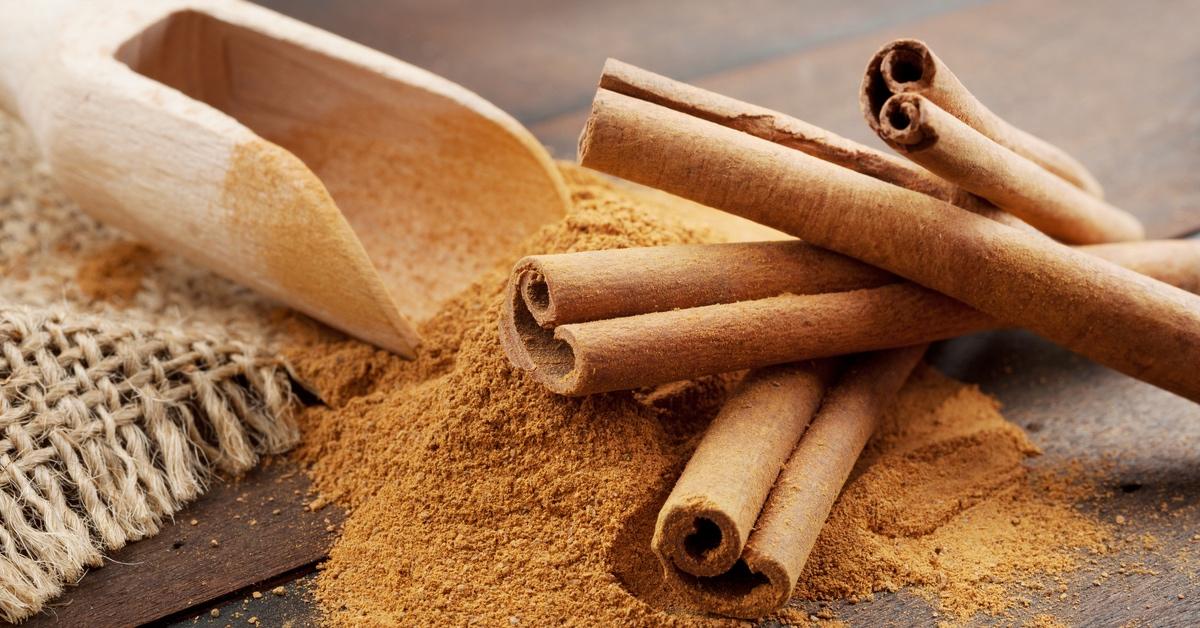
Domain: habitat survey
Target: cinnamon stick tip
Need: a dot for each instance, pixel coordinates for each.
(547, 354)
(535, 290)
(901, 122)
(696, 536)
(753, 588)
(907, 65)
(701, 550)
(898, 66)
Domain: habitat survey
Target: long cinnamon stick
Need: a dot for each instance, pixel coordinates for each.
(925, 133)
(1086, 304)
(909, 66)
(664, 346)
(707, 519)
(791, 132)
(763, 578)
(593, 285)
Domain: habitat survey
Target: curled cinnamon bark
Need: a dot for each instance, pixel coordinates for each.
(1088, 305)
(762, 579)
(909, 66)
(593, 285)
(707, 519)
(785, 130)
(670, 345)
(944, 145)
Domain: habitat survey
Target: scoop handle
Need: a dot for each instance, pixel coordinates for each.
(29, 33)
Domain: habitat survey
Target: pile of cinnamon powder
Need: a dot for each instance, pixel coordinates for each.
(476, 496)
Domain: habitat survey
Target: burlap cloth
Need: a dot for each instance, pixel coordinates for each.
(115, 409)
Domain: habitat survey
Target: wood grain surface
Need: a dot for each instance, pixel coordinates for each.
(1112, 82)
(261, 528)
(539, 58)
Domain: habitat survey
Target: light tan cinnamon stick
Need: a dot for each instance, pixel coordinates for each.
(928, 135)
(909, 66)
(762, 579)
(707, 519)
(594, 285)
(1086, 304)
(664, 346)
(786, 130)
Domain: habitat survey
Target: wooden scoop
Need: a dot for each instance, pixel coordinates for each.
(327, 175)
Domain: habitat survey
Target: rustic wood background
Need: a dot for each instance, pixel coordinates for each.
(1113, 82)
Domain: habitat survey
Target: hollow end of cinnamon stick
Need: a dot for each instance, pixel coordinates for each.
(910, 66)
(698, 537)
(907, 65)
(901, 65)
(901, 123)
(755, 586)
(535, 292)
(705, 522)
(952, 149)
(527, 344)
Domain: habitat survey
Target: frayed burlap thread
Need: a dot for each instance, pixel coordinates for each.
(107, 429)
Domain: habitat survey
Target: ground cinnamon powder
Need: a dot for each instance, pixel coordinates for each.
(475, 496)
(114, 274)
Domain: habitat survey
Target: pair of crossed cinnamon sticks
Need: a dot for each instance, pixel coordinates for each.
(966, 229)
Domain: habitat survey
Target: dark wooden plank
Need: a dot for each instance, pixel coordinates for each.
(262, 529)
(539, 58)
(1111, 82)
(291, 605)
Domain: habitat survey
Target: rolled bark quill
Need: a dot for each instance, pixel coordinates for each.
(909, 66)
(593, 285)
(707, 519)
(762, 575)
(943, 144)
(791, 132)
(836, 306)
(1134, 324)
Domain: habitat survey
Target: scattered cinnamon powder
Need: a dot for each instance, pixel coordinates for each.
(114, 274)
(943, 499)
(1045, 621)
(475, 496)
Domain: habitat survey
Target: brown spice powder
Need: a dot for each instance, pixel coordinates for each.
(114, 274)
(474, 495)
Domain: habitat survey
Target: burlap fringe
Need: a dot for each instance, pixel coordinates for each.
(106, 430)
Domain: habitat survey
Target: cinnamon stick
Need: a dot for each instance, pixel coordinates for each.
(791, 132)
(909, 66)
(928, 135)
(670, 345)
(1086, 304)
(762, 579)
(707, 519)
(594, 285)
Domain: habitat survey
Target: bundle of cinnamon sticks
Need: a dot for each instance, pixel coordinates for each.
(982, 226)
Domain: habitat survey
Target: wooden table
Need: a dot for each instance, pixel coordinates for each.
(1114, 83)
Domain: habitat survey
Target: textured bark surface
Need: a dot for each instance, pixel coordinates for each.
(928, 135)
(1088, 305)
(762, 579)
(705, 522)
(908, 66)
